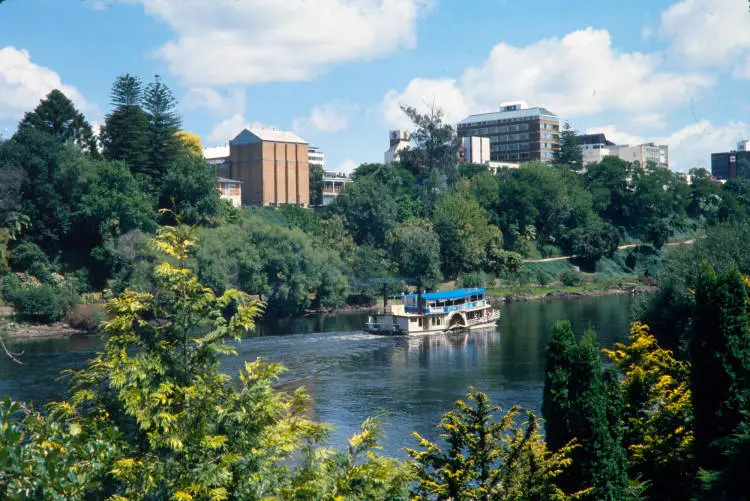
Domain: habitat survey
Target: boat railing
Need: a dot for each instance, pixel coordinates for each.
(492, 317)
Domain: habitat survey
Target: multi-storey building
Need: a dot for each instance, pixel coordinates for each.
(474, 149)
(399, 141)
(218, 158)
(732, 164)
(273, 166)
(333, 183)
(316, 157)
(594, 147)
(517, 133)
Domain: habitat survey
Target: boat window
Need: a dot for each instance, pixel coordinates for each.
(420, 322)
(474, 298)
(412, 320)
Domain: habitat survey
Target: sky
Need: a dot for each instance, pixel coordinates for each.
(336, 71)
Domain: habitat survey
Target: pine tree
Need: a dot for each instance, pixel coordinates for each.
(568, 153)
(720, 351)
(578, 406)
(56, 115)
(164, 123)
(125, 133)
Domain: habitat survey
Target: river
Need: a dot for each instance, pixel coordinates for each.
(351, 375)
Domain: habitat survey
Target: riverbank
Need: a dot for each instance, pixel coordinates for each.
(22, 331)
(552, 293)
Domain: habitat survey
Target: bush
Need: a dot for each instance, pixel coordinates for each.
(38, 304)
(542, 278)
(472, 279)
(571, 278)
(26, 254)
(87, 317)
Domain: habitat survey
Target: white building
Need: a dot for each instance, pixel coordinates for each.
(494, 166)
(333, 183)
(743, 145)
(595, 147)
(474, 150)
(230, 189)
(399, 141)
(316, 157)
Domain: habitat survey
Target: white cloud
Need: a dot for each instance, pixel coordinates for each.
(224, 42)
(708, 33)
(578, 75)
(347, 166)
(23, 84)
(220, 102)
(333, 116)
(422, 93)
(650, 120)
(227, 129)
(690, 146)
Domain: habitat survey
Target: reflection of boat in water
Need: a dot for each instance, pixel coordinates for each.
(455, 310)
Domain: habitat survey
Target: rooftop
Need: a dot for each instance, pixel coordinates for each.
(274, 135)
(448, 295)
(216, 152)
(594, 139)
(505, 115)
(227, 180)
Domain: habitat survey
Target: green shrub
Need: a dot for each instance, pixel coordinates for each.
(571, 278)
(27, 255)
(542, 278)
(38, 304)
(472, 279)
(548, 250)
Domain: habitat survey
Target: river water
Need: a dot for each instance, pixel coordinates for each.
(352, 375)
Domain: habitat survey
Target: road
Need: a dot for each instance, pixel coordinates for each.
(626, 246)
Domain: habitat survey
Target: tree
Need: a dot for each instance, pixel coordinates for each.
(316, 185)
(720, 352)
(657, 415)
(191, 143)
(164, 122)
(125, 132)
(416, 249)
(464, 232)
(568, 153)
(577, 406)
(369, 210)
(486, 458)
(435, 144)
(189, 186)
(55, 115)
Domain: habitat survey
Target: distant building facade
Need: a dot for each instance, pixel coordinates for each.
(316, 157)
(218, 158)
(333, 183)
(516, 132)
(273, 166)
(731, 164)
(230, 189)
(595, 147)
(474, 149)
(399, 141)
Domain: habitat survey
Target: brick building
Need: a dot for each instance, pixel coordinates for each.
(273, 166)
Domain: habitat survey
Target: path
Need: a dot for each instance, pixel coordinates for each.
(626, 246)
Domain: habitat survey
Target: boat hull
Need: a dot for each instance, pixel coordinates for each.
(392, 330)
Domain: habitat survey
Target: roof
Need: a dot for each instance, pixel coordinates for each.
(253, 135)
(227, 180)
(594, 139)
(216, 152)
(505, 115)
(446, 295)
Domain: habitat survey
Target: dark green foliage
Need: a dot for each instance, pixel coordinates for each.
(42, 303)
(370, 273)
(124, 136)
(369, 210)
(730, 484)
(578, 405)
(435, 145)
(570, 278)
(164, 122)
(416, 248)
(25, 255)
(189, 187)
(55, 115)
(720, 353)
(568, 154)
(316, 185)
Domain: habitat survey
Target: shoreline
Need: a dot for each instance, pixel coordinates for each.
(15, 332)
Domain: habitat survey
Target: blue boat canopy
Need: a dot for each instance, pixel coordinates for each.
(449, 295)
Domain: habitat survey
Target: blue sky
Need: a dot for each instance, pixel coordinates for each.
(335, 71)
